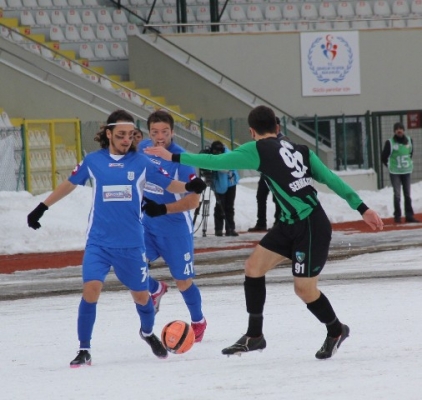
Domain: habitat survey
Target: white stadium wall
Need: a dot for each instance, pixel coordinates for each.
(22, 96)
(269, 64)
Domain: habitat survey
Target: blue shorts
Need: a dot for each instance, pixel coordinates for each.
(176, 251)
(129, 265)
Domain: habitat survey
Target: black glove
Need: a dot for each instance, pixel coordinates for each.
(35, 215)
(153, 209)
(196, 185)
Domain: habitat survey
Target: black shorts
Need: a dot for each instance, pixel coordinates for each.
(305, 242)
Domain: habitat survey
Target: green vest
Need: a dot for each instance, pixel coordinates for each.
(400, 161)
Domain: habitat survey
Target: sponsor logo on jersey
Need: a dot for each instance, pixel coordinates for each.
(117, 193)
(131, 175)
(163, 171)
(116, 165)
(153, 188)
(300, 256)
(192, 177)
(300, 184)
(76, 169)
(155, 161)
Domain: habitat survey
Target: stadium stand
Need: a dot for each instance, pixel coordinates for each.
(327, 10)
(96, 30)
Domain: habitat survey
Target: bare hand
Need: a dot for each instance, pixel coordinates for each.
(158, 151)
(373, 220)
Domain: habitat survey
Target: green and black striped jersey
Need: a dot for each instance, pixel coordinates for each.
(289, 170)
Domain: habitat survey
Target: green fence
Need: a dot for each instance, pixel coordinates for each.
(357, 141)
(40, 154)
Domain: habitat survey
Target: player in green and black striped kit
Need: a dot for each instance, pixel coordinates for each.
(304, 232)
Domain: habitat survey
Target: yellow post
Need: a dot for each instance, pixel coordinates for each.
(62, 133)
(27, 160)
(53, 156)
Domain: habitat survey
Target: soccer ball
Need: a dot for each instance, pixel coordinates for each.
(178, 337)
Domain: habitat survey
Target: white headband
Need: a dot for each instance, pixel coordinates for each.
(122, 123)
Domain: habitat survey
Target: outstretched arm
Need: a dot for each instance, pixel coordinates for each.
(243, 157)
(196, 185)
(61, 191)
(187, 203)
(158, 151)
(324, 175)
(373, 220)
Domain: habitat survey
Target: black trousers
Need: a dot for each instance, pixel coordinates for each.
(403, 181)
(261, 199)
(224, 210)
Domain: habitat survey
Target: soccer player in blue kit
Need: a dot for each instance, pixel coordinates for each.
(115, 235)
(168, 223)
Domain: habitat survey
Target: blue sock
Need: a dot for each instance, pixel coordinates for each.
(86, 319)
(147, 316)
(152, 285)
(192, 297)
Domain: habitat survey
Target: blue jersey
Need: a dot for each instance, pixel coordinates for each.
(118, 186)
(169, 224)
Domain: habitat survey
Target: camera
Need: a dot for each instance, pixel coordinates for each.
(216, 148)
(206, 174)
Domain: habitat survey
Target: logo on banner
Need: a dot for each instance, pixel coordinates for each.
(330, 58)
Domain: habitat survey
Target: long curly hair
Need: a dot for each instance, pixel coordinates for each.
(115, 116)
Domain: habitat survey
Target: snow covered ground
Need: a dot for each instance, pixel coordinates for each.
(380, 360)
(64, 224)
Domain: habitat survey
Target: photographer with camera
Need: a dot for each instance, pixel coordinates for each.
(223, 183)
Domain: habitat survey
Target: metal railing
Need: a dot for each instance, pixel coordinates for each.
(236, 89)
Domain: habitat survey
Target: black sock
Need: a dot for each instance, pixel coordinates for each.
(255, 324)
(255, 293)
(334, 328)
(323, 310)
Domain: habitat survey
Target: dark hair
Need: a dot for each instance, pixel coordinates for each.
(115, 116)
(160, 116)
(262, 120)
(398, 125)
(140, 131)
(217, 147)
